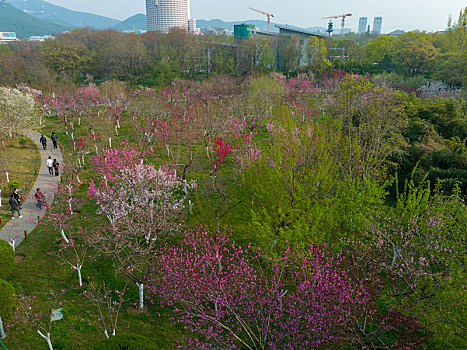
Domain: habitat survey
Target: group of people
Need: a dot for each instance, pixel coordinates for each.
(15, 202)
(54, 169)
(43, 141)
(53, 166)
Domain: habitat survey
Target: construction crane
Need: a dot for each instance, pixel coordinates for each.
(343, 20)
(264, 13)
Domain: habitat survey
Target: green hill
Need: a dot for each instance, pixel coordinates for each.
(61, 15)
(136, 22)
(14, 20)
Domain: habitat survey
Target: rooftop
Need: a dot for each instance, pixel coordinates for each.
(297, 30)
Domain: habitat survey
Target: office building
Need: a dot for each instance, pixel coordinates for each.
(377, 25)
(362, 23)
(244, 31)
(164, 15)
(6, 37)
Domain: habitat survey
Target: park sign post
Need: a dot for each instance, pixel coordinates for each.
(56, 315)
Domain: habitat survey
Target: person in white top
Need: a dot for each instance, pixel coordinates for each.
(50, 165)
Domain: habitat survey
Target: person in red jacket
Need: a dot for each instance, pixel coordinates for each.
(40, 198)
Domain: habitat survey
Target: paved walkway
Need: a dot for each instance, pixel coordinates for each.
(13, 231)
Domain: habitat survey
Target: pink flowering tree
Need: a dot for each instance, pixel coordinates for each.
(73, 253)
(143, 204)
(65, 203)
(240, 298)
(39, 315)
(107, 304)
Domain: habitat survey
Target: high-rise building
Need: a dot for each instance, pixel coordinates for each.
(362, 25)
(164, 15)
(377, 25)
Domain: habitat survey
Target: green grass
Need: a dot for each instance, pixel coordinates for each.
(23, 162)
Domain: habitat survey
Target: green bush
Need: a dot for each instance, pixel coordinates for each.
(126, 342)
(7, 299)
(23, 140)
(7, 259)
(12, 184)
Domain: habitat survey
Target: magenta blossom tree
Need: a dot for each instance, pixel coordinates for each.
(240, 298)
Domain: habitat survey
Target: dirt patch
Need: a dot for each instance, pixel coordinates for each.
(19, 257)
(134, 310)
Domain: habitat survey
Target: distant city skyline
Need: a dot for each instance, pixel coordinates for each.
(429, 15)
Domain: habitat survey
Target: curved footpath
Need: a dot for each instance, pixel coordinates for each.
(15, 229)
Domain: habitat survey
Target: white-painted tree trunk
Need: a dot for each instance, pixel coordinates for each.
(106, 334)
(116, 130)
(78, 268)
(2, 331)
(69, 201)
(97, 151)
(64, 236)
(110, 142)
(141, 295)
(77, 179)
(47, 338)
(0, 197)
(12, 243)
(7, 176)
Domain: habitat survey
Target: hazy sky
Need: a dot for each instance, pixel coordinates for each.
(427, 15)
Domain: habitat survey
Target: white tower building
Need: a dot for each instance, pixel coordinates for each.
(164, 15)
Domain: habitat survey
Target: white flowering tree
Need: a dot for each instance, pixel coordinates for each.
(144, 205)
(18, 111)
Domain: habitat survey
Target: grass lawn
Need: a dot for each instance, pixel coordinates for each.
(23, 161)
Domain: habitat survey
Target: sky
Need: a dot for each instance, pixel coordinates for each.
(429, 15)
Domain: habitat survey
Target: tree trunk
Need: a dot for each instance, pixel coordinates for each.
(141, 295)
(78, 268)
(2, 331)
(64, 235)
(106, 334)
(110, 142)
(47, 338)
(7, 176)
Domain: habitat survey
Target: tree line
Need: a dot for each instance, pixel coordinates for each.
(156, 59)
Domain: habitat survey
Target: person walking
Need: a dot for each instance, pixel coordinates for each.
(14, 207)
(54, 139)
(50, 166)
(16, 196)
(56, 166)
(43, 140)
(40, 198)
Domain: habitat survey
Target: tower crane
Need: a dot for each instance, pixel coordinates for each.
(264, 13)
(343, 20)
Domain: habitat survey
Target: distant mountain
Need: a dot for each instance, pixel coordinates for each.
(60, 15)
(14, 20)
(136, 22)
